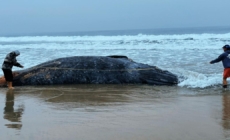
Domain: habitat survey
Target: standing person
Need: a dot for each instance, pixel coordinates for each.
(225, 58)
(7, 65)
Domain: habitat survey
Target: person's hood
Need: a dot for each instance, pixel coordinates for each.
(16, 53)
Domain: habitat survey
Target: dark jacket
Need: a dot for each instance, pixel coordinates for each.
(11, 60)
(225, 58)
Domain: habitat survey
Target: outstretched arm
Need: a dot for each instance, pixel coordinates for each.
(221, 57)
(18, 65)
(15, 63)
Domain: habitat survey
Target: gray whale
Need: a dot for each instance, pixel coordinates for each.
(93, 70)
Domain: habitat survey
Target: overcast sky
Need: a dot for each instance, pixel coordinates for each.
(28, 16)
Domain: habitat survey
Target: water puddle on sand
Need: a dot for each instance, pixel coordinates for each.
(123, 112)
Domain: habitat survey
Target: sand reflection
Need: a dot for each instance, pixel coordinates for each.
(113, 112)
(97, 95)
(226, 111)
(10, 113)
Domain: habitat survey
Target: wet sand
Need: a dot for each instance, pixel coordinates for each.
(114, 112)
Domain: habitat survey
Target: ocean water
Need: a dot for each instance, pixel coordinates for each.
(185, 52)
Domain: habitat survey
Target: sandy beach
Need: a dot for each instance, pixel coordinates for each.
(115, 112)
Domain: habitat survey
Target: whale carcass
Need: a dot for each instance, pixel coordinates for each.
(93, 70)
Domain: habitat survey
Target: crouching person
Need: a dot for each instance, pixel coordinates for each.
(7, 65)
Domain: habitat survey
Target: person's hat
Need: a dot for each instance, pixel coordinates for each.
(226, 46)
(17, 53)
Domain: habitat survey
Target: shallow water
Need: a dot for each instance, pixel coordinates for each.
(123, 112)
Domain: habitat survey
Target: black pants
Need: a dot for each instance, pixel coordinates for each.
(8, 75)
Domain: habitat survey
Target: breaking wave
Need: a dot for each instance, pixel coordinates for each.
(140, 41)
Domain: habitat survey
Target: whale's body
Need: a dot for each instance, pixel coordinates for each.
(93, 70)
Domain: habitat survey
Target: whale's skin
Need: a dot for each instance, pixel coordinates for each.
(93, 70)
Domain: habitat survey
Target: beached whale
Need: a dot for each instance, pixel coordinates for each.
(93, 70)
